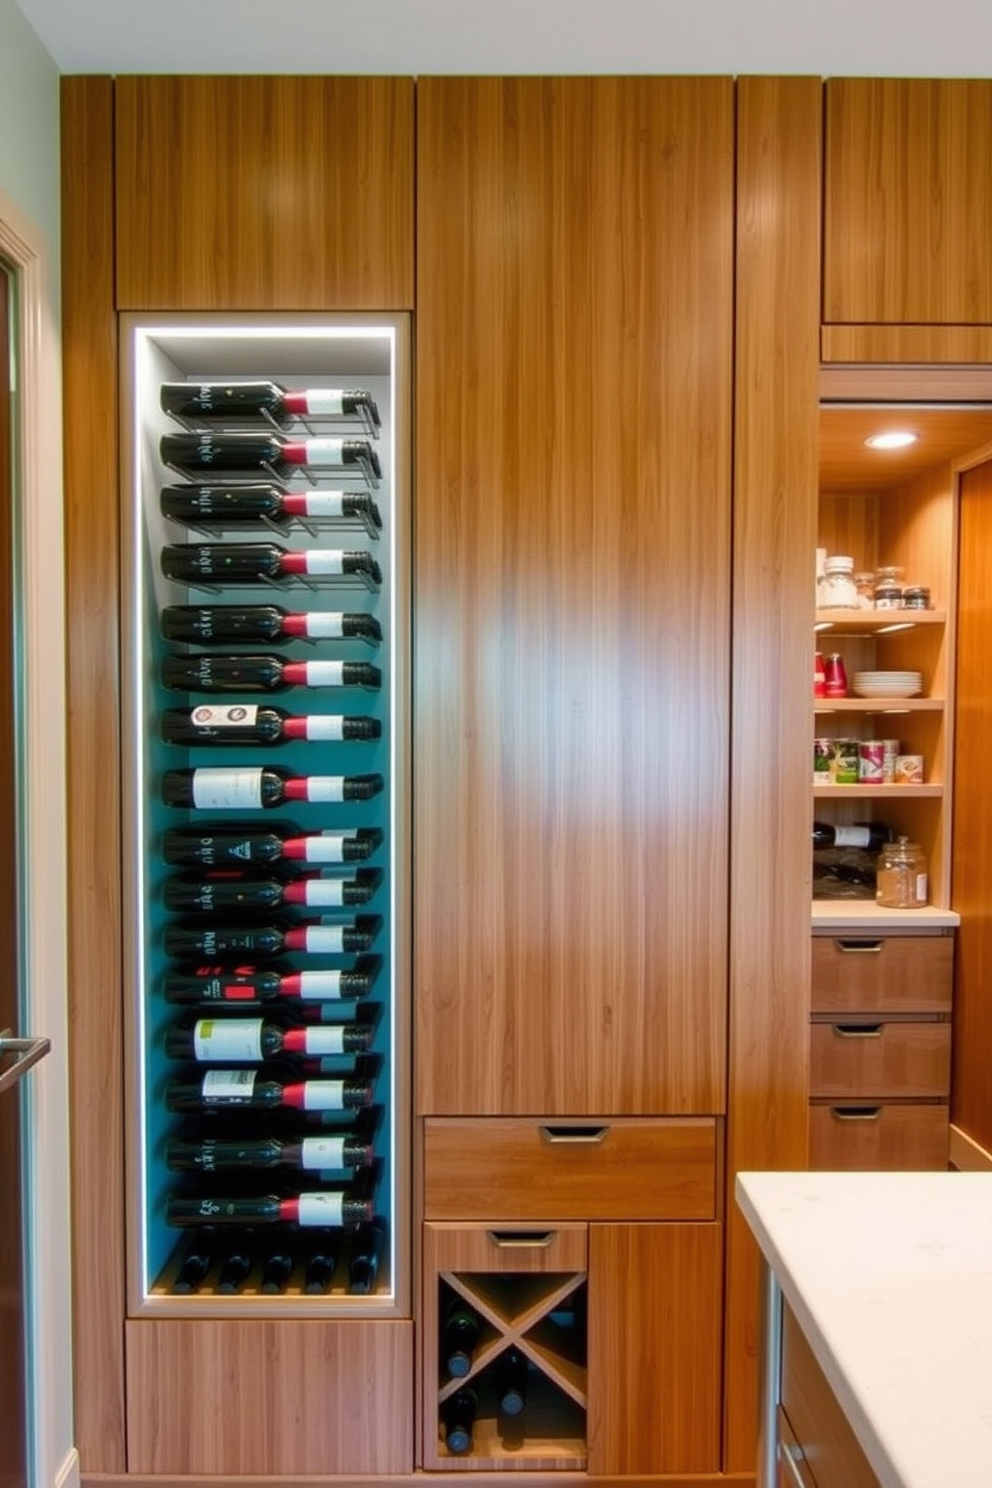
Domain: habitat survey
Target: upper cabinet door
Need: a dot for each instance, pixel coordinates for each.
(264, 193)
(908, 205)
(572, 541)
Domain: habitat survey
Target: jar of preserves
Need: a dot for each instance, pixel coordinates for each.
(837, 591)
(901, 881)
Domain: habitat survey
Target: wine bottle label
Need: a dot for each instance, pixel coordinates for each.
(228, 1039)
(322, 1152)
(324, 787)
(321, 1209)
(328, 939)
(322, 893)
(325, 560)
(327, 848)
(323, 1095)
(326, 401)
(324, 451)
(328, 626)
(238, 789)
(212, 716)
(851, 836)
(321, 504)
(323, 673)
(316, 986)
(326, 727)
(328, 1039)
(227, 1087)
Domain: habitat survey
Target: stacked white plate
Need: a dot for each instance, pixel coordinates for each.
(887, 684)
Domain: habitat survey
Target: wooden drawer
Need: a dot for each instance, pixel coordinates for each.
(517, 1248)
(890, 973)
(889, 1135)
(506, 1168)
(825, 1443)
(863, 1059)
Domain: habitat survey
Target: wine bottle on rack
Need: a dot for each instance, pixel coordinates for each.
(511, 1382)
(221, 892)
(250, 787)
(320, 1261)
(459, 1336)
(207, 625)
(253, 723)
(333, 1153)
(871, 835)
(192, 454)
(245, 1087)
(367, 1247)
(272, 940)
(264, 562)
(205, 986)
(235, 1268)
(277, 1268)
(247, 505)
(252, 1040)
(458, 1413)
(230, 401)
(326, 1207)
(194, 1263)
(240, 846)
(212, 672)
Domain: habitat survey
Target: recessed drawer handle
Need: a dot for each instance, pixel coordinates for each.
(859, 947)
(575, 1134)
(856, 1113)
(521, 1239)
(858, 1030)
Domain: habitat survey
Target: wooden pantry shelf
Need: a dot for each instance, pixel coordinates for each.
(878, 705)
(873, 622)
(861, 792)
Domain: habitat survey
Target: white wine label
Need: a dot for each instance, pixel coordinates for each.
(232, 1087)
(323, 504)
(329, 726)
(325, 938)
(324, 451)
(228, 1038)
(324, 400)
(320, 1209)
(316, 986)
(323, 1095)
(235, 715)
(325, 627)
(325, 560)
(323, 893)
(324, 673)
(322, 1152)
(239, 789)
(327, 848)
(326, 1040)
(325, 787)
(851, 836)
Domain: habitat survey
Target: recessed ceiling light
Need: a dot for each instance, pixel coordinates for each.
(894, 439)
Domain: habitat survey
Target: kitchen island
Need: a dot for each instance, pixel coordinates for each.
(877, 1328)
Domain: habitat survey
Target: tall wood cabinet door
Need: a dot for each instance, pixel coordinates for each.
(908, 201)
(654, 1348)
(264, 193)
(574, 293)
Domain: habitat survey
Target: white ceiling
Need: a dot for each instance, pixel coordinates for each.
(895, 38)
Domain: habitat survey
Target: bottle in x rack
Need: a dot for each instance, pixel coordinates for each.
(227, 402)
(246, 788)
(272, 940)
(240, 846)
(193, 454)
(246, 505)
(247, 987)
(208, 625)
(252, 723)
(215, 893)
(210, 672)
(328, 1207)
(263, 562)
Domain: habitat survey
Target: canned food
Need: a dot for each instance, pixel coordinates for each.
(822, 756)
(844, 762)
(909, 769)
(917, 597)
(891, 749)
(871, 761)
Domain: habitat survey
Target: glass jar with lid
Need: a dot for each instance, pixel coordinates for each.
(837, 590)
(901, 879)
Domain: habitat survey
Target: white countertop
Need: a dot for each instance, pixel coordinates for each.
(890, 1277)
(864, 914)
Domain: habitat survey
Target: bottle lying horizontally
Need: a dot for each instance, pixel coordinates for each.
(248, 505)
(219, 892)
(254, 563)
(311, 938)
(192, 454)
(212, 672)
(215, 724)
(250, 787)
(253, 1040)
(239, 845)
(325, 1207)
(872, 835)
(458, 1414)
(247, 987)
(365, 1252)
(511, 1377)
(459, 1335)
(228, 402)
(210, 625)
(248, 1088)
(330, 1153)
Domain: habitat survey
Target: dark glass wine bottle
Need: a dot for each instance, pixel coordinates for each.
(254, 723)
(511, 1382)
(220, 892)
(250, 787)
(194, 1262)
(235, 1267)
(206, 986)
(252, 1040)
(333, 1153)
(210, 672)
(227, 402)
(871, 835)
(320, 1261)
(459, 1336)
(192, 454)
(218, 846)
(246, 1087)
(323, 1208)
(248, 505)
(212, 625)
(277, 1268)
(250, 563)
(458, 1413)
(366, 1250)
(313, 939)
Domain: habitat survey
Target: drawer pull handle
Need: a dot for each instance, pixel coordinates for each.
(791, 1458)
(856, 1113)
(587, 1135)
(858, 1030)
(859, 947)
(521, 1239)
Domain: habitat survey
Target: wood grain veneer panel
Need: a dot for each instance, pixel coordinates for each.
(907, 201)
(654, 1348)
(900, 1060)
(270, 1397)
(302, 199)
(906, 344)
(866, 973)
(775, 489)
(572, 581)
(825, 1436)
(862, 1136)
(971, 873)
(89, 356)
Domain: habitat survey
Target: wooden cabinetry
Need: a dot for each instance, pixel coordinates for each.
(815, 1437)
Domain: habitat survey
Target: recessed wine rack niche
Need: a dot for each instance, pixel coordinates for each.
(266, 794)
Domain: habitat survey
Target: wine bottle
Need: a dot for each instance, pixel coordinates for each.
(247, 505)
(191, 454)
(205, 986)
(235, 1268)
(194, 1262)
(458, 1413)
(312, 938)
(459, 1336)
(325, 1207)
(253, 723)
(365, 1254)
(871, 835)
(250, 563)
(332, 1153)
(220, 892)
(321, 1261)
(209, 672)
(217, 846)
(250, 787)
(511, 1382)
(245, 1087)
(277, 1268)
(229, 401)
(208, 625)
(252, 1040)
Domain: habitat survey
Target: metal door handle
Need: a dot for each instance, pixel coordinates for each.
(26, 1052)
(858, 1030)
(790, 1457)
